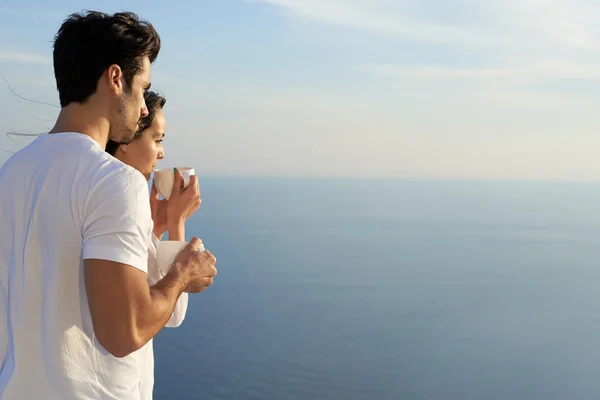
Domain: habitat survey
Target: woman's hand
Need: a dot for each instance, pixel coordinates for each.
(181, 205)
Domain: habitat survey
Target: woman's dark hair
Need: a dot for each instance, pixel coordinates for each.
(88, 43)
(154, 101)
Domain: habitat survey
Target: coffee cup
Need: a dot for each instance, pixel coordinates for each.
(165, 178)
(167, 250)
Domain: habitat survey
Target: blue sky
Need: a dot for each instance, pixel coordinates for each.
(473, 89)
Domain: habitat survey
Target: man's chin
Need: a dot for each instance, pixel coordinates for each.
(122, 139)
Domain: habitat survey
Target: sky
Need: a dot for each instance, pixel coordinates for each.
(435, 89)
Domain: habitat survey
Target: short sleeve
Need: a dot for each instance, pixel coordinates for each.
(117, 224)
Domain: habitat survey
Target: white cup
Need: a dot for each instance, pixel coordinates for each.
(167, 250)
(164, 179)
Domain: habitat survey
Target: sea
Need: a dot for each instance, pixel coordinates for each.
(391, 289)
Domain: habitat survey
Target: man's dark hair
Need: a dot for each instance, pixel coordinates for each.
(154, 101)
(89, 42)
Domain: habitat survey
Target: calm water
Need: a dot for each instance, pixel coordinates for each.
(392, 290)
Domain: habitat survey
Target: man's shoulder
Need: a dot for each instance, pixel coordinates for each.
(60, 151)
(76, 157)
(121, 177)
(94, 165)
(116, 181)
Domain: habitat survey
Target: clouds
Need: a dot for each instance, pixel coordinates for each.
(375, 17)
(462, 22)
(24, 57)
(535, 71)
(510, 49)
(471, 88)
(508, 42)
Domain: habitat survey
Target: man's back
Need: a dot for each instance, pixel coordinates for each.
(63, 199)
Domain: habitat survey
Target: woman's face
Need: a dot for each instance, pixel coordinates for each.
(143, 152)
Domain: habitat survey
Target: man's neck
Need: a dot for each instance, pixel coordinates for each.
(82, 119)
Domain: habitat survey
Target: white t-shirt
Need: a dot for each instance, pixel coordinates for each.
(64, 199)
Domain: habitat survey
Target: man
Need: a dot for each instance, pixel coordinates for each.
(75, 305)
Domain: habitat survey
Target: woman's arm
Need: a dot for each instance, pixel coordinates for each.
(176, 230)
(182, 204)
(159, 213)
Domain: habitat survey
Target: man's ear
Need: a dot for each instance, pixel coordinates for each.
(115, 79)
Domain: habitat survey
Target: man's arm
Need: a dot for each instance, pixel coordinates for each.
(126, 313)
(117, 227)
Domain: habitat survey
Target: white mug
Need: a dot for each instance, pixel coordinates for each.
(165, 178)
(167, 250)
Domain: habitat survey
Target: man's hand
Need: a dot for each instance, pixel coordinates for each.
(197, 267)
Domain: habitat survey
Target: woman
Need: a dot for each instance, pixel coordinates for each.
(142, 154)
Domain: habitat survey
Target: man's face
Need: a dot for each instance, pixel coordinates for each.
(131, 106)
